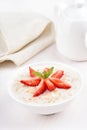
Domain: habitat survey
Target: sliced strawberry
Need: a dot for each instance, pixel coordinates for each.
(50, 85)
(31, 70)
(58, 74)
(40, 88)
(60, 84)
(31, 82)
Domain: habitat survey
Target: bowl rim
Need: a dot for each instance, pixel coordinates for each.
(51, 104)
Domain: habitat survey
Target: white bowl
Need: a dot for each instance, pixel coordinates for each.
(51, 107)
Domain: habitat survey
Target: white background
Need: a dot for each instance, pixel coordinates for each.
(17, 117)
(41, 6)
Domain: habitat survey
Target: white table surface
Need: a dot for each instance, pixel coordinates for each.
(14, 116)
(17, 117)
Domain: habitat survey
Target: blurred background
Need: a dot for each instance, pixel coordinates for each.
(45, 7)
(42, 6)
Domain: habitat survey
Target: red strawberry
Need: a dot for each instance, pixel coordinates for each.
(50, 85)
(59, 83)
(31, 82)
(58, 74)
(40, 88)
(32, 72)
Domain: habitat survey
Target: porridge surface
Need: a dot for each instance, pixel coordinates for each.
(25, 94)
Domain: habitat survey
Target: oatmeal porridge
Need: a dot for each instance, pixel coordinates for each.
(25, 93)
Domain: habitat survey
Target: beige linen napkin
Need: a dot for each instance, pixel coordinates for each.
(22, 35)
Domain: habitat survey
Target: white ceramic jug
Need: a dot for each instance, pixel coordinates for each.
(72, 31)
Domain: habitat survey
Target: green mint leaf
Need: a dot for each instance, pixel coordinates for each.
(47, 74)
(38, 74)
(50, 71)
(44, 74)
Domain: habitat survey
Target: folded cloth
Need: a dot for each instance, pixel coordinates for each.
(22, 35)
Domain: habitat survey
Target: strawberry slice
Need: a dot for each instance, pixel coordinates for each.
(58, 74)
(60, 84)
(31, 82)
(50, 85)
(40, 88)
(31, 70)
